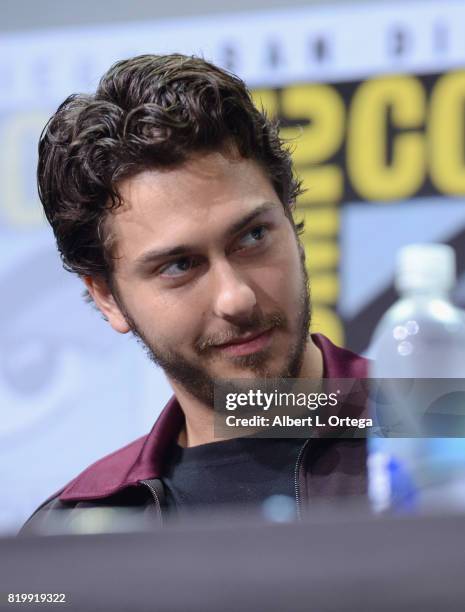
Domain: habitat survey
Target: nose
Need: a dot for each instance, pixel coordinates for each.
(234, 297)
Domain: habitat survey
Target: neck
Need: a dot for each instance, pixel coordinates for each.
(199, 428)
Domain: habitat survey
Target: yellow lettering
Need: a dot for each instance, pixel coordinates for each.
(324, 287)
(322, 112)
(266, 100)
(323, 184)
(367, 164)
(327, 322)
(319, 221)
(321, 254)
(447, 133)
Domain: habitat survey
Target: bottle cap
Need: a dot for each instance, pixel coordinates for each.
(425, 267)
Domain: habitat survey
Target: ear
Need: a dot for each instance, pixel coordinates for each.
(106, 303)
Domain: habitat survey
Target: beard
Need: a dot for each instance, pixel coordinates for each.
(196, 378)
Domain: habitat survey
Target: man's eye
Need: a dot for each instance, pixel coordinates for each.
(178, 267)
(253, 237)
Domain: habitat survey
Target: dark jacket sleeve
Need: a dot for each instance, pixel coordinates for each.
(132, 510)
(49, 518)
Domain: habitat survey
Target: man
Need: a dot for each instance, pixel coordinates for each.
(171, 196)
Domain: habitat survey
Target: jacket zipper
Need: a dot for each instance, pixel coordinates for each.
(296, 480)
(155, 497)
(296, 486)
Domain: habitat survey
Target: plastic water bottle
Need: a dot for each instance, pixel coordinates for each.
(422, 336)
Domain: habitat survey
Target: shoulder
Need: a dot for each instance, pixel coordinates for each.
(114, 479)
(105, 476)
(37, 523)
(101, 478)
(125, 510)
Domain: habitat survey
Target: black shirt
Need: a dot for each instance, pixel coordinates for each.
(245, 471)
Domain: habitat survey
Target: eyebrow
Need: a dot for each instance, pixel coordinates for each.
(154, 254)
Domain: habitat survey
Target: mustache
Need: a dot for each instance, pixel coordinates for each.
(256, 324)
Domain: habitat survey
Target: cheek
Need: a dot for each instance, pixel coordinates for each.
(282, 280)
(173, 321)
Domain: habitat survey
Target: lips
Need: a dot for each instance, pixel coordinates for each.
(247, 344)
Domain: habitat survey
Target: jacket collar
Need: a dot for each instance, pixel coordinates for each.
(339, 362)
(143, 458)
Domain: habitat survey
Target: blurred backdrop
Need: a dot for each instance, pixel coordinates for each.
(372, 95)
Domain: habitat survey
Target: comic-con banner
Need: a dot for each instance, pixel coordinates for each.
(391, 141)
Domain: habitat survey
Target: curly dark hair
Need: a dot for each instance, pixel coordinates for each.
(148, 111)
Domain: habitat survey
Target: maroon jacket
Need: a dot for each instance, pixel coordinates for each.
(131, 476)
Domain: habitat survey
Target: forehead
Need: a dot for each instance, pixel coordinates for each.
(163, 207)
